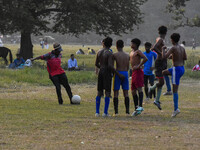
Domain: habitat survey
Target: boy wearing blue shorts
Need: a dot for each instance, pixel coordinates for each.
(178, 55)
(122, 67)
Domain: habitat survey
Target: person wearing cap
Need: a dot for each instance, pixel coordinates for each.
(56, 73)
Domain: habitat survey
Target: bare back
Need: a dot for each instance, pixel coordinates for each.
(104, 58)
(178, 55)
(122, 61)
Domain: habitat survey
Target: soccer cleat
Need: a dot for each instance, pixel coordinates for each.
(158, 105)
(135, 113)
(115, 115)
(140, 109)
(168, 93)
(176, 113)
(105, 115)
(97, 115)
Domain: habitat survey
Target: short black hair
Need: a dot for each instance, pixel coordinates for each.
(162, 30)
(175, 37)
(120, 44)
(71, 55)
(147, 44)
(136, 41)
(108, 42)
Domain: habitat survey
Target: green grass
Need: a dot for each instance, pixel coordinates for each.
(38, 74)
(30, 117)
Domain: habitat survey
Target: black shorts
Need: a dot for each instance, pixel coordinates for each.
(160, 65)
(104, 80)
(149, 78)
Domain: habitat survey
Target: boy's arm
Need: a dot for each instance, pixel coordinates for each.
(155, 47)
(142, 62)
(184, 55)
(97, 61)
(32, 59)
(111, 66)
(168, 53)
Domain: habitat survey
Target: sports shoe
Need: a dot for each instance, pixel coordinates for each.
(157, 104)
(97, 115)
(140, 109)
(176, 113)
(115, 115)
(168, 93)
(135, 113)
(105, 115)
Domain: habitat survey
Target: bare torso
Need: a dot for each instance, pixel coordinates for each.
(122, 61)
(178, 55)
(103, 57)
(135, 59)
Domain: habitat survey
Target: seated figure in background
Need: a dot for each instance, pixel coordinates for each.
(18, 62)
(80, 51)
(196, 67)
(72, 64)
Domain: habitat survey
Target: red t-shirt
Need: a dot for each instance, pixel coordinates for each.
(53, 63)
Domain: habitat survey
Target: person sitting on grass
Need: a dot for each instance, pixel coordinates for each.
(18, 62)
(196, 67)
(72, 64)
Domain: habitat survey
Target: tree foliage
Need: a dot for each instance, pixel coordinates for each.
(73, 17)
(178, 9)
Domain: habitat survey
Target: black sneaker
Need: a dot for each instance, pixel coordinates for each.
(158, 105)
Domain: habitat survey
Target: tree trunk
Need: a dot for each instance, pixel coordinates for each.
(26, 48)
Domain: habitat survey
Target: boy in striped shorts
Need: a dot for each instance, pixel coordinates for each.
(178, 55)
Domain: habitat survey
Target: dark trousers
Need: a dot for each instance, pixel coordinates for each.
(59, 80)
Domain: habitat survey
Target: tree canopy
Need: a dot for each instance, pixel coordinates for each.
(67, 17)
(178, 9)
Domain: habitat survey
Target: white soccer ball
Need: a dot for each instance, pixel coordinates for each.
(76, 99)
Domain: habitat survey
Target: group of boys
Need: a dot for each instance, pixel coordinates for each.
(158, 54)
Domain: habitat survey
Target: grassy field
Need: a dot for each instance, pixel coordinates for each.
(30, 117)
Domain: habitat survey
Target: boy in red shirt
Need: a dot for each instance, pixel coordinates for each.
(56, 73)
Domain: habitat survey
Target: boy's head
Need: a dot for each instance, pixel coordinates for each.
(120, 44)
(199, 62)
(175, 37)
(107, 42)
(72, 56)
(135, 43)
(147, 46)
(57, 48)
(162, 30)
(18, 56)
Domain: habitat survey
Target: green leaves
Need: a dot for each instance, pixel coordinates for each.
(70, 16)
(179, 14)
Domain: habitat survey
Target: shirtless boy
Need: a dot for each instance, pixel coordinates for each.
(104, 62)
(137, 75)
(160, 65)
(178, 55)
(122, 66)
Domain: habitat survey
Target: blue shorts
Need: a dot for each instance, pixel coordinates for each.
(117, 81)
(176, 72)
